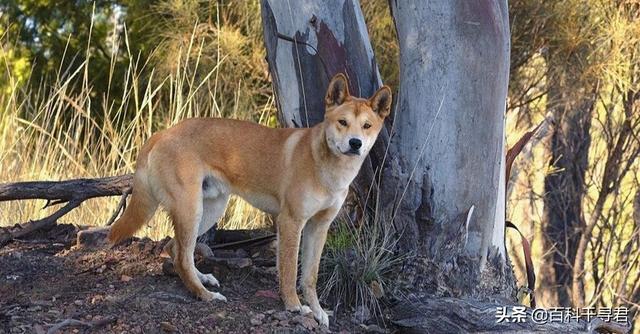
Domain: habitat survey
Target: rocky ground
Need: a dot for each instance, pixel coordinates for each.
(48, 285)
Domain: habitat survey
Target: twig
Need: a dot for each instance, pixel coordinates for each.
(121, 206)
(240, 243)
(32, 226)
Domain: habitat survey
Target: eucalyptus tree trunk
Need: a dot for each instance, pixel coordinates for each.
(445, 177)
(307, 43)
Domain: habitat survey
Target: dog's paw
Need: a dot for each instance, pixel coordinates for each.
(302, 309)
(209, 296)
(208, 279)
(322, 317)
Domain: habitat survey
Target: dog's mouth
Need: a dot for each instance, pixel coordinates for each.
(351, 152)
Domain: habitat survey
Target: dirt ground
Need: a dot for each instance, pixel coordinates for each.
(49, 286)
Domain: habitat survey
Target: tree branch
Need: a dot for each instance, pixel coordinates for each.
(71, 192)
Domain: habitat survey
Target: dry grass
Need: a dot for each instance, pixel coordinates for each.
(57, 131)
(358, 264)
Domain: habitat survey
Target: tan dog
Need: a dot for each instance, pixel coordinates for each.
(300, 175)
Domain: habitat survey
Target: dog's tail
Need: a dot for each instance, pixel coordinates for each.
(142, 205)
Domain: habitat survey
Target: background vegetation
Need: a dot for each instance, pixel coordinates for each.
(85, 83)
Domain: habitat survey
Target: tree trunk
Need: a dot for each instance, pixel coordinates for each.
(307, 43)
(571, 101)
(447, 154)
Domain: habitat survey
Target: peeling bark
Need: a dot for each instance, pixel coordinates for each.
(448, 151)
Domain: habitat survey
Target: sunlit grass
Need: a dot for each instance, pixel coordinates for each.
(57, 132)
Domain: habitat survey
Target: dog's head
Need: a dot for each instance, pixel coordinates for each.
(352, 124)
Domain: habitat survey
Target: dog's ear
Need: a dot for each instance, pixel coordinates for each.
(381, 101)
(337, 92)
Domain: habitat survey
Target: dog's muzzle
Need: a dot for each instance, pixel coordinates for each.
(352, 152)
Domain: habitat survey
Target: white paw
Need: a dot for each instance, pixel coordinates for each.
(208, 279)
(211, 296)
(304, 309)
(322, 317)
(220, 297)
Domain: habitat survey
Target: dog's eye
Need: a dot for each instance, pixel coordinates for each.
(366, 125)
(342, 122)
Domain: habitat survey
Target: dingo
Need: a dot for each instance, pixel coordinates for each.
(300, 175)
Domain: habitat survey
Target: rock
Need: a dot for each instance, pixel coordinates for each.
(168, 269)
(376, 289)
(374, 329)
(256, 320)
(34, 308)
(39, 329)
(43, 303)
(168, 327)
(361, 315)
(125, 278)
(237, 262)
(267, 294)
(282, 315)
(203, 250)
(306, 322)
(169, 297)
(78, 302)
(96, 299)
(283, 323)
(92, 238)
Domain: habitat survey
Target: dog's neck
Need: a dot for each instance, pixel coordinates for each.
(335, 172)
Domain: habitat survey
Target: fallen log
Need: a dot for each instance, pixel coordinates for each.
(71, 192)
(453, 315)
(57, 192)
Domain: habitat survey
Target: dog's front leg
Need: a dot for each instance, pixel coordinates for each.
(289, 230)
(313, 239)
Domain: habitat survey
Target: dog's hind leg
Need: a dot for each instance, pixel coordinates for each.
(213, 209)
(187, 216)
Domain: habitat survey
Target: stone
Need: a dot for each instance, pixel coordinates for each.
(361, 315)
(93, 237)
(282, 315)
(168, 327)
(306, 322)
(256, 320)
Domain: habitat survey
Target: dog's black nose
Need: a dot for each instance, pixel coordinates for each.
(355, 143)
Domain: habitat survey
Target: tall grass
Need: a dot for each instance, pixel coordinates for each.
(62, 129)
(358, 264)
